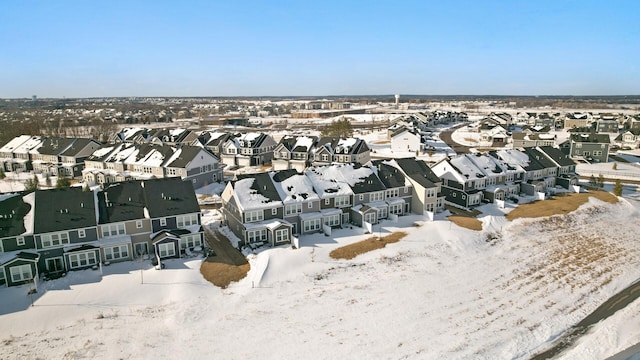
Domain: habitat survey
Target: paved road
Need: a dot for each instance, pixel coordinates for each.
(615, 303)
(632, 353)
(446, 137)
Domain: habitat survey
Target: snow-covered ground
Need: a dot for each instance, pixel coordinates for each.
(441, 292)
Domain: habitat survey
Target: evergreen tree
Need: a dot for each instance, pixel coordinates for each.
(86, 187)
(63, 182)
(617, 188)
(615, 166)
(47, 180)
(600, 181)
(593, 181)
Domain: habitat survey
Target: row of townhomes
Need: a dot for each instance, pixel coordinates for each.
(128, 161)
(235, 149)
(53, 155)
(272, 207)
(50, 232)
(301, 152)
(470, 179)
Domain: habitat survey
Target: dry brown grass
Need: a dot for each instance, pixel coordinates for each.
(474, 141)
(227, 265)
(373, 243)
(466, 222)
(558, 205)
(381, 142)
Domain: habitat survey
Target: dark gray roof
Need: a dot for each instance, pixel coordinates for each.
(169, 197)
(12, 212)
(369, 184)
(557, 155)
(540, 158)
(419, 171)
(283, 175)
(55, 146)
(263, 185)
(63, 209)
(122, 201)
(390, 176)
(77, 146)
(187, 155)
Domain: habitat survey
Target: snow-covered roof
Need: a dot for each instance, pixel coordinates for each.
(328, 181)
(250, 199)
(513, 157)
(296, 188)
(14, 143)
(32, 143)
(304, 141)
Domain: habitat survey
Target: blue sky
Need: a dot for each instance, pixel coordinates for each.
(313, 48)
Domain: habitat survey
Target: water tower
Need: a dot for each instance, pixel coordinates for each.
(397, 99)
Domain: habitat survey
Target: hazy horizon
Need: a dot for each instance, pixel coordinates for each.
(78, 49)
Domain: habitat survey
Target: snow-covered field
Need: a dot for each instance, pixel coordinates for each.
(441, 292)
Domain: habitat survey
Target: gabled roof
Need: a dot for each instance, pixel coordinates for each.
(14, 143)
(327, 180)
(557, 155)
(536, 156)
(32, 143)
(78, 145)
(13, 210)
(293, 187)
(418, 171)
(55, 146)
(64, 209)
(122, 201)
(169, 197)
(391, 176)
(255, 191)
(367, 184)
(186, 154)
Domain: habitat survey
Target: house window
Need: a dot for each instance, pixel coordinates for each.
(376, 196)
(326, 201)
(293, 209)
(393, 193)
(253, 216)
(113, 230)
(342, 201)
(138, 224)
(190, 241)
(163, 221)
(310, 205)
(282, 235)
(50, 240)
(382, 213)
(370, 217)
(186, 220)
(166, 250)
(116, 252)
(274, 211)
(20, 240)
(332, 220)
(597, 153)
(325, 157)
(82, 259)
(361, 197)
(256, 235)
(21, 273)
(312, 225)
(395, 209)
(82, 233)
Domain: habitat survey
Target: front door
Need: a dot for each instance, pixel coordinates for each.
(55, 265)
(141, 249)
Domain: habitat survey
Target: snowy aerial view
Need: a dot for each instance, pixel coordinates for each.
(319, 180)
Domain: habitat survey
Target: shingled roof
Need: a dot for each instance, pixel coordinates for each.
(64, 209)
